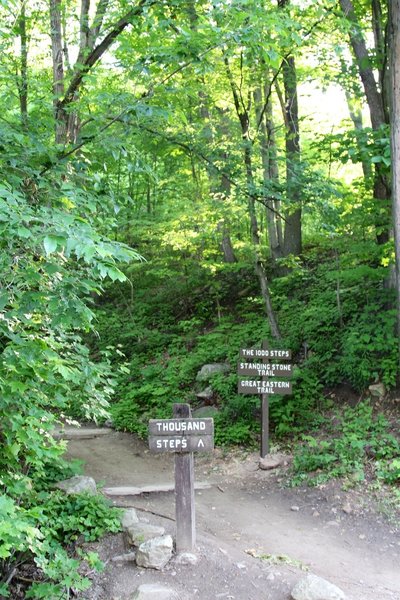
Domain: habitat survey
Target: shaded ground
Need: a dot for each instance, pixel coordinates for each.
(254, 536)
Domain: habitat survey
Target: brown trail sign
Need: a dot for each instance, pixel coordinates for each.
(250, 386)
(260, 369)
(183, 436)
(266, 353)
(260, 362)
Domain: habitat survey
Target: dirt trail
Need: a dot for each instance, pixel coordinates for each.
(246, 514)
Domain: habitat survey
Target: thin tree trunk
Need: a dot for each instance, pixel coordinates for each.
(23, 76)
(375, 101)
(356, 116)
(61, 116)
(293, 227)
(293, 234)
(242, 112)
(269, 167)
(394, 44)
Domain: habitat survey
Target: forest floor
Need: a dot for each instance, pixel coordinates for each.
(255, 537)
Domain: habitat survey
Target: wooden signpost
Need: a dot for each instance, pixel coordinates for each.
(261, 362)
(183, 435)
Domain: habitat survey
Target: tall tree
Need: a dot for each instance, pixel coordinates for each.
(293, 232)
(394, 44)
(375, 92)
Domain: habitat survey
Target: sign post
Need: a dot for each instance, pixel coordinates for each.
(183, 436)
(261, 362)
(184, 493)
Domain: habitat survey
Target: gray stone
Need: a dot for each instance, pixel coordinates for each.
(207, 371)
(81, 433)
(186, 558)
(79, 484)
(205, 394)
(316, 588)
(155, 553)
(273, 461)
(377, 390)
(154, 591)
(137, 533)
(129, 518)
(205, 411)
(123, 558)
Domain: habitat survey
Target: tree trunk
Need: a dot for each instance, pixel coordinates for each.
(394, 44)
(242, 112)
(293, 234)
(269, 166)
(67, 121)
(23, 76)
(60, 115)
(375, 101)
(292, 243)
(356, 116)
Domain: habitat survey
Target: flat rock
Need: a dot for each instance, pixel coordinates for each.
(377, 390)
(131, 490)
(78, 433)
(124, 558)
(79, 484)
(205, 411)
(154, 591)
(316, 588)
(205, 394)
(137, 533)
(273, 461)
(155, 553)
(207, 371)
(186, 558)
(129, 518)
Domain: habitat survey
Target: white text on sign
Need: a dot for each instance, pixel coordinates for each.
(249, 386)
(265, 353)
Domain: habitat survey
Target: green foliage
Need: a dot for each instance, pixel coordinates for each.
(291, 414)
(37, 532)
(68, 518)
(355, 438)
(53, 261)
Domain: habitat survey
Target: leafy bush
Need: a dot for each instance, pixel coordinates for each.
(67, 518)
(356, 438)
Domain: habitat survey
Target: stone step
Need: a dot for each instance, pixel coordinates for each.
(84, 433)
(130, 490)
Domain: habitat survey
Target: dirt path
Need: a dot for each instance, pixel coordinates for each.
(243, 516)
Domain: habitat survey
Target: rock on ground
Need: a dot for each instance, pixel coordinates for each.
(316, 588)
(377, 389)
(186, 558)
(205, 411)
(154, 591)
(273, 461)
(137, 533)
(129, 518)
(155, 553)
(207, 370)
(78, 485)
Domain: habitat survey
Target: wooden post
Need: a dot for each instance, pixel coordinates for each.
(264, 415)
(184, 492)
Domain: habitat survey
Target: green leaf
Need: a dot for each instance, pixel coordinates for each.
(50, 243)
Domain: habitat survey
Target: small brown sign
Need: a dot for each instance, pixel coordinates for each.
(272, 387)
(260, 369)
(266, 353)
(181, 427)
(191, 443)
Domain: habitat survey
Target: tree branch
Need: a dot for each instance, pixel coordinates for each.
(99, 50)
